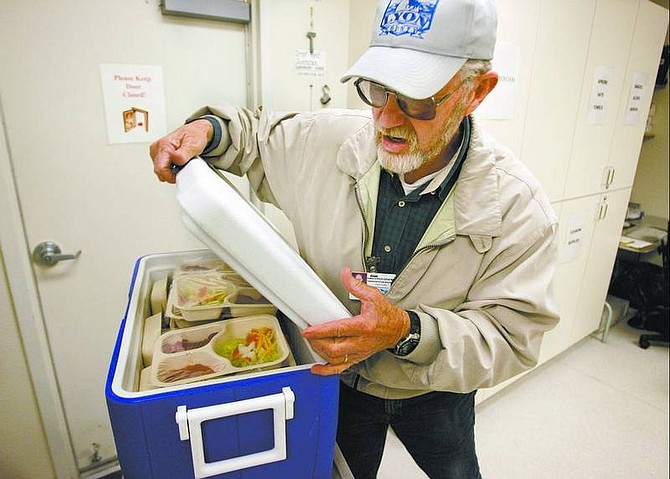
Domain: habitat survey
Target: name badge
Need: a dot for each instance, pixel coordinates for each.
(381, 281)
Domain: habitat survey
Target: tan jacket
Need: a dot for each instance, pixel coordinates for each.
(480, 279)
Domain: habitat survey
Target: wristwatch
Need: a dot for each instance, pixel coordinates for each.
(411, 341)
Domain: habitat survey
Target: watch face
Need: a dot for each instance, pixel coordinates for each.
(406, 347)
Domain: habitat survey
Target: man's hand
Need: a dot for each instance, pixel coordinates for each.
(178, 147)
(342, 343)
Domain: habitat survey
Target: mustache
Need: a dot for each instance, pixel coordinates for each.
(397, 131)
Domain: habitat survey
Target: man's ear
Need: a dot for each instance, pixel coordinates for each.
(485, 84)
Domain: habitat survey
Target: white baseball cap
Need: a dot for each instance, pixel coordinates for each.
(417, 46)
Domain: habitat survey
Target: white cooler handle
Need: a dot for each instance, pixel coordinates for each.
(189, 422)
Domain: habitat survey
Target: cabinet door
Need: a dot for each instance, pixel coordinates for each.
(556, 82)
(575, 231)
(601, 94)
(639, 80)
(517, 31)
(610, 214)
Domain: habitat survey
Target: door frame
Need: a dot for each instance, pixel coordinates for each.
(29, 318)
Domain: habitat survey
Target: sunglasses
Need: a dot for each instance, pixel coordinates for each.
(377, 95)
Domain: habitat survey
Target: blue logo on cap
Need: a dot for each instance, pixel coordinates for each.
(408, 17)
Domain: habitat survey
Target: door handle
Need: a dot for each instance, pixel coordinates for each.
(48, 253)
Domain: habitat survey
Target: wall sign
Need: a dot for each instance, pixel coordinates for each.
(311, 64)
(599, 104)
(134, 98)
(574, 237)
(637, 91)
(500, 104)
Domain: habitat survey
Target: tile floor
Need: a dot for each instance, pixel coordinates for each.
(599, 410)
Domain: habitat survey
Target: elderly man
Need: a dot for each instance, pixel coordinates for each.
(455, 232)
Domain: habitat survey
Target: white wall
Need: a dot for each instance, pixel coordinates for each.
(284, 27)
(362, 14)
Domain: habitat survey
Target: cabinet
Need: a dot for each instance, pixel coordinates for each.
(590, 170)
(643, 60)
(586, 163)
(575, 232)
(588, 236)
(626, 42)
(625, 48)
(609, 216)
(556, 83)
(511, 14)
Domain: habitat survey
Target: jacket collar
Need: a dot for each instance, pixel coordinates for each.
(477, 210)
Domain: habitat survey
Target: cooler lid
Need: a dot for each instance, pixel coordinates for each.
(236, 231)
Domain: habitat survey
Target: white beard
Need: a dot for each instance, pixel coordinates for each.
(415, 158)
(400, 164)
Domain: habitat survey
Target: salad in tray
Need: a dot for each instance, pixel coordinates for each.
(259, 346)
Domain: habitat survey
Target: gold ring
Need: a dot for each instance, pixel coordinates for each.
(346, 359)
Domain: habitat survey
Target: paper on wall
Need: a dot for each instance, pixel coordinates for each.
(500, 104)
(134, 98)
(599, 104)
(637, 90)
(310, 64)
(574, 237)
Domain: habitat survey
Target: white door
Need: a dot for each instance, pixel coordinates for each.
(75, 189)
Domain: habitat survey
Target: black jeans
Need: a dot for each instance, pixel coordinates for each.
(437, 429)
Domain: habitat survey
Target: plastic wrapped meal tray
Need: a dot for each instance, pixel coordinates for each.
(201, 296)
(240, 301)
(216, 349)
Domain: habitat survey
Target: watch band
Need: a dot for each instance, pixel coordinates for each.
(411, 341)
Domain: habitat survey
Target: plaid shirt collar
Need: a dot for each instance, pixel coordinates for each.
(451, 171)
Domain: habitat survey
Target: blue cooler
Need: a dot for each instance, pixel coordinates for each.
(272, 423)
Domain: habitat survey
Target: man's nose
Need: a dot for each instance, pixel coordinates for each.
(391, 115)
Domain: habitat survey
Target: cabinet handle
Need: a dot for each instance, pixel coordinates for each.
(608, 177)
(611, 178)
(601, 211)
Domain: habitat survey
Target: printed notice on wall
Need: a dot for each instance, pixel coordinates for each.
(598, 106)
(574, 238)
(500, 104)
(310, 64)
(635, 97)
(134, 98)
